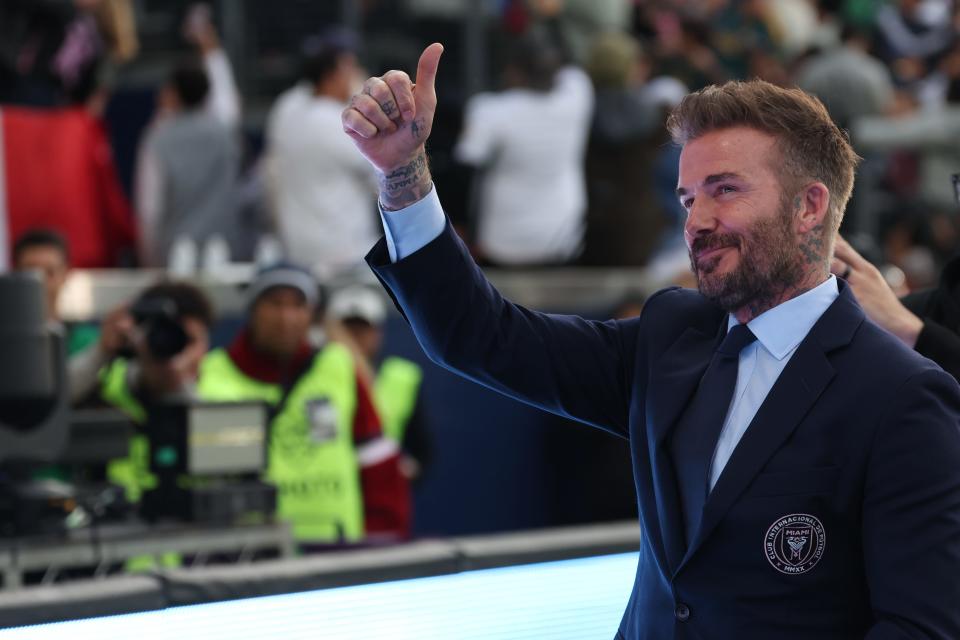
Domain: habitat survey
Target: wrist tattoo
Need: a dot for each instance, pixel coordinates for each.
(405, 185)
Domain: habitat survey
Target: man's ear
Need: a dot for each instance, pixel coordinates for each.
(811, 206)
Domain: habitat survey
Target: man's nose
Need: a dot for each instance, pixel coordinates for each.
(700, 220)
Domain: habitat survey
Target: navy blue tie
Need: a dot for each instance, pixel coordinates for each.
(695, 437)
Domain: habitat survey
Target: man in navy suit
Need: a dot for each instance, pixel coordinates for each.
(797, 468)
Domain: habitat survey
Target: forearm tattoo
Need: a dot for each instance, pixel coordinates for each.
(405, 185)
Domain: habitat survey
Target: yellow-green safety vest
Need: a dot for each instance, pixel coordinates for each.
(312, 459)
(133, 472)
(395, 395)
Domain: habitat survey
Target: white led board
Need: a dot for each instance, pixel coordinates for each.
(568, 600)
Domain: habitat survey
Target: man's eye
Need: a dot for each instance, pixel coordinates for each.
(687, 203)
(726, 188)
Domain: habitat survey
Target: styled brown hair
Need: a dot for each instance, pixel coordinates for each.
(811, 146)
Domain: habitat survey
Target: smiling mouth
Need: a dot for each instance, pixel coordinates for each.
(710, 253)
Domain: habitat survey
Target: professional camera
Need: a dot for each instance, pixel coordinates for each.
(163, 333)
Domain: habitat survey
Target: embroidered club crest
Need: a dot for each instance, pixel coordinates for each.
(795, 543)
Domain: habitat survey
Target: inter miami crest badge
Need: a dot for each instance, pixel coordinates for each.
(794, 544)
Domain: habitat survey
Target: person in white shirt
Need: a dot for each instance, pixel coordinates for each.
(322, 190)
(530, 140)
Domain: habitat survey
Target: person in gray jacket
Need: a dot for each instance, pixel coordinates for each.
(187, 172)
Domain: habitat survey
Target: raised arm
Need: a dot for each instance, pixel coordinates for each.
(565, 364)
(390, 121)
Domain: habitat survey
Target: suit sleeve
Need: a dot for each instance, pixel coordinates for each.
(573, 367)
(911, 513)
(941, 345)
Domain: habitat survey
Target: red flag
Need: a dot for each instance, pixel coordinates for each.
(57, 172)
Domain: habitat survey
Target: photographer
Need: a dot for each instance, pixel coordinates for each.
(156, 346)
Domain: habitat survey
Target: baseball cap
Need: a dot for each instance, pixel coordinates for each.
(358, 302)
(284, 274)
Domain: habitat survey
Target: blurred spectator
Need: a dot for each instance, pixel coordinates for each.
(139, 375)
(52, 52)
(323, 191)
(914, 32)
(528, 141)
(624, 217)
(397, 386)
(44, 251)
(223, 99)
(927, 321)
(829, 26)
(338, 478)
(89, 348)
(682, 49)
(187, 171)
(850, 82)
(934, 133)
(795, 25)
(579, 22)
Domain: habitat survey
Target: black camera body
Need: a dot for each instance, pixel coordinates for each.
(163, 332)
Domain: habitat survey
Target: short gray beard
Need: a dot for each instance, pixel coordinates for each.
(768, 267)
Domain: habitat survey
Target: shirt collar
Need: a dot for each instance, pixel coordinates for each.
(783, 327)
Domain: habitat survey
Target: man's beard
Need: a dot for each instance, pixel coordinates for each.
(768, 264)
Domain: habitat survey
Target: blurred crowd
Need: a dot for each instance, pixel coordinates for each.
(563, 159)
(568, 133)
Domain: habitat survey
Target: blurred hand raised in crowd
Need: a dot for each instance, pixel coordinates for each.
(198, 28)
(390, 120)
(873, 293)
(115, 331)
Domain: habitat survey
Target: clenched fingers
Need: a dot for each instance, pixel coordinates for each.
(373, 112)
(401, 88)
(383, 95)
(356, 124)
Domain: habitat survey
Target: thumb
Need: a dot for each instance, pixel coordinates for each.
(427, 67)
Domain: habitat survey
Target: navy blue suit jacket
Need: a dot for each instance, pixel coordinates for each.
(858, 442)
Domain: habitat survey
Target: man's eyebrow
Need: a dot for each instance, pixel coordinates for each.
(713, 179)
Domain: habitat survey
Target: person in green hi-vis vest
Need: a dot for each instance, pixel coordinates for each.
(136, 381)
(398, 381)
(338, 479)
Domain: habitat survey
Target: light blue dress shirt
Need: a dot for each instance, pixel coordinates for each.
(410, 229)
(779, 331)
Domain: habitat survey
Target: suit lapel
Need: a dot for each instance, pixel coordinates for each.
(799, 386)
(675, 377)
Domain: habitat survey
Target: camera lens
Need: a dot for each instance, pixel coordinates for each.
(165, 338)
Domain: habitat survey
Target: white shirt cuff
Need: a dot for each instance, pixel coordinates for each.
(410, 229)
